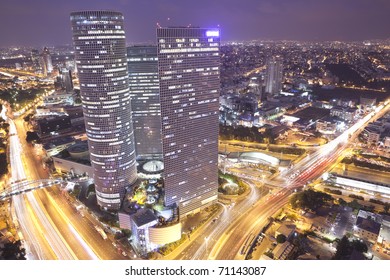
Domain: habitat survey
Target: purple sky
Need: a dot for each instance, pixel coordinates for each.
(46, 22)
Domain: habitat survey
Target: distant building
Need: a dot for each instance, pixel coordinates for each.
(367, 103)
(35, 59)
(59, 98)
(75, 114)
(286, 230)
(141, 222)
(73, 166)
(47, 60)
(274, 76)
(269, 112)
(326, 126)
(64, 80)
(230, 101)
(371, 135)
(147, 234)
(344, 113)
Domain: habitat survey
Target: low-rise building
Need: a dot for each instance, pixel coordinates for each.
(282, 251)
(326, 126)
(345, 113)
(75, 160)
(286, 229)
(47, 125)
(140, 224)
(55, 146)
(368, 226)
(371, 134)
(367, 103)
(148, 235)
(386, 142)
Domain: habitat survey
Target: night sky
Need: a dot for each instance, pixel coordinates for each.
(46, 22)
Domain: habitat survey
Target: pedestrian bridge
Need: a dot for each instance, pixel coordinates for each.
(24, 186)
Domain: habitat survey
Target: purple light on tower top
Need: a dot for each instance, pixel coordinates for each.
(212, 33)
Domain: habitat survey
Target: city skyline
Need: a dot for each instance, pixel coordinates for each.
(273, 20)
(181, 147)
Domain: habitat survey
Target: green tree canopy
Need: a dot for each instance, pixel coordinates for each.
(13, 251)
(281, 238)
(345, 248)
(310, 200)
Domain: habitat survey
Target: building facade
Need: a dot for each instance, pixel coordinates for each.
(100, 53)
(64, 80)
(189, 73)
(274, 76)
(145, 100)
(35, 60)
(47, 60)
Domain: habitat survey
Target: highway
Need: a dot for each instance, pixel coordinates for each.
(212, 231)
(49, 224)
(41, 235)
(77, 232)
(32, 221)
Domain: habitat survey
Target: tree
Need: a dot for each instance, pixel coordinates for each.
(13, 251)
(126, 232)
(342, 249)
(359, 246)
(310, 200)
(32, 136)
(28, 117)
(281, 238)
(342, 201)
(345, 248)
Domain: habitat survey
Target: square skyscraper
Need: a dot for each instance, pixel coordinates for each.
(189, 74)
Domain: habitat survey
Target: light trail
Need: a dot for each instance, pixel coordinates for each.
(53, 237)
(224, 222)
(83, 244)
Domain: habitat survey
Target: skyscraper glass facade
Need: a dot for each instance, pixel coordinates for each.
(100, 52)
(189, 73)
(274, 76)
(145, 100)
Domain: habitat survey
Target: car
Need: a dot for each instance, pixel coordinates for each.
(124, 254)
